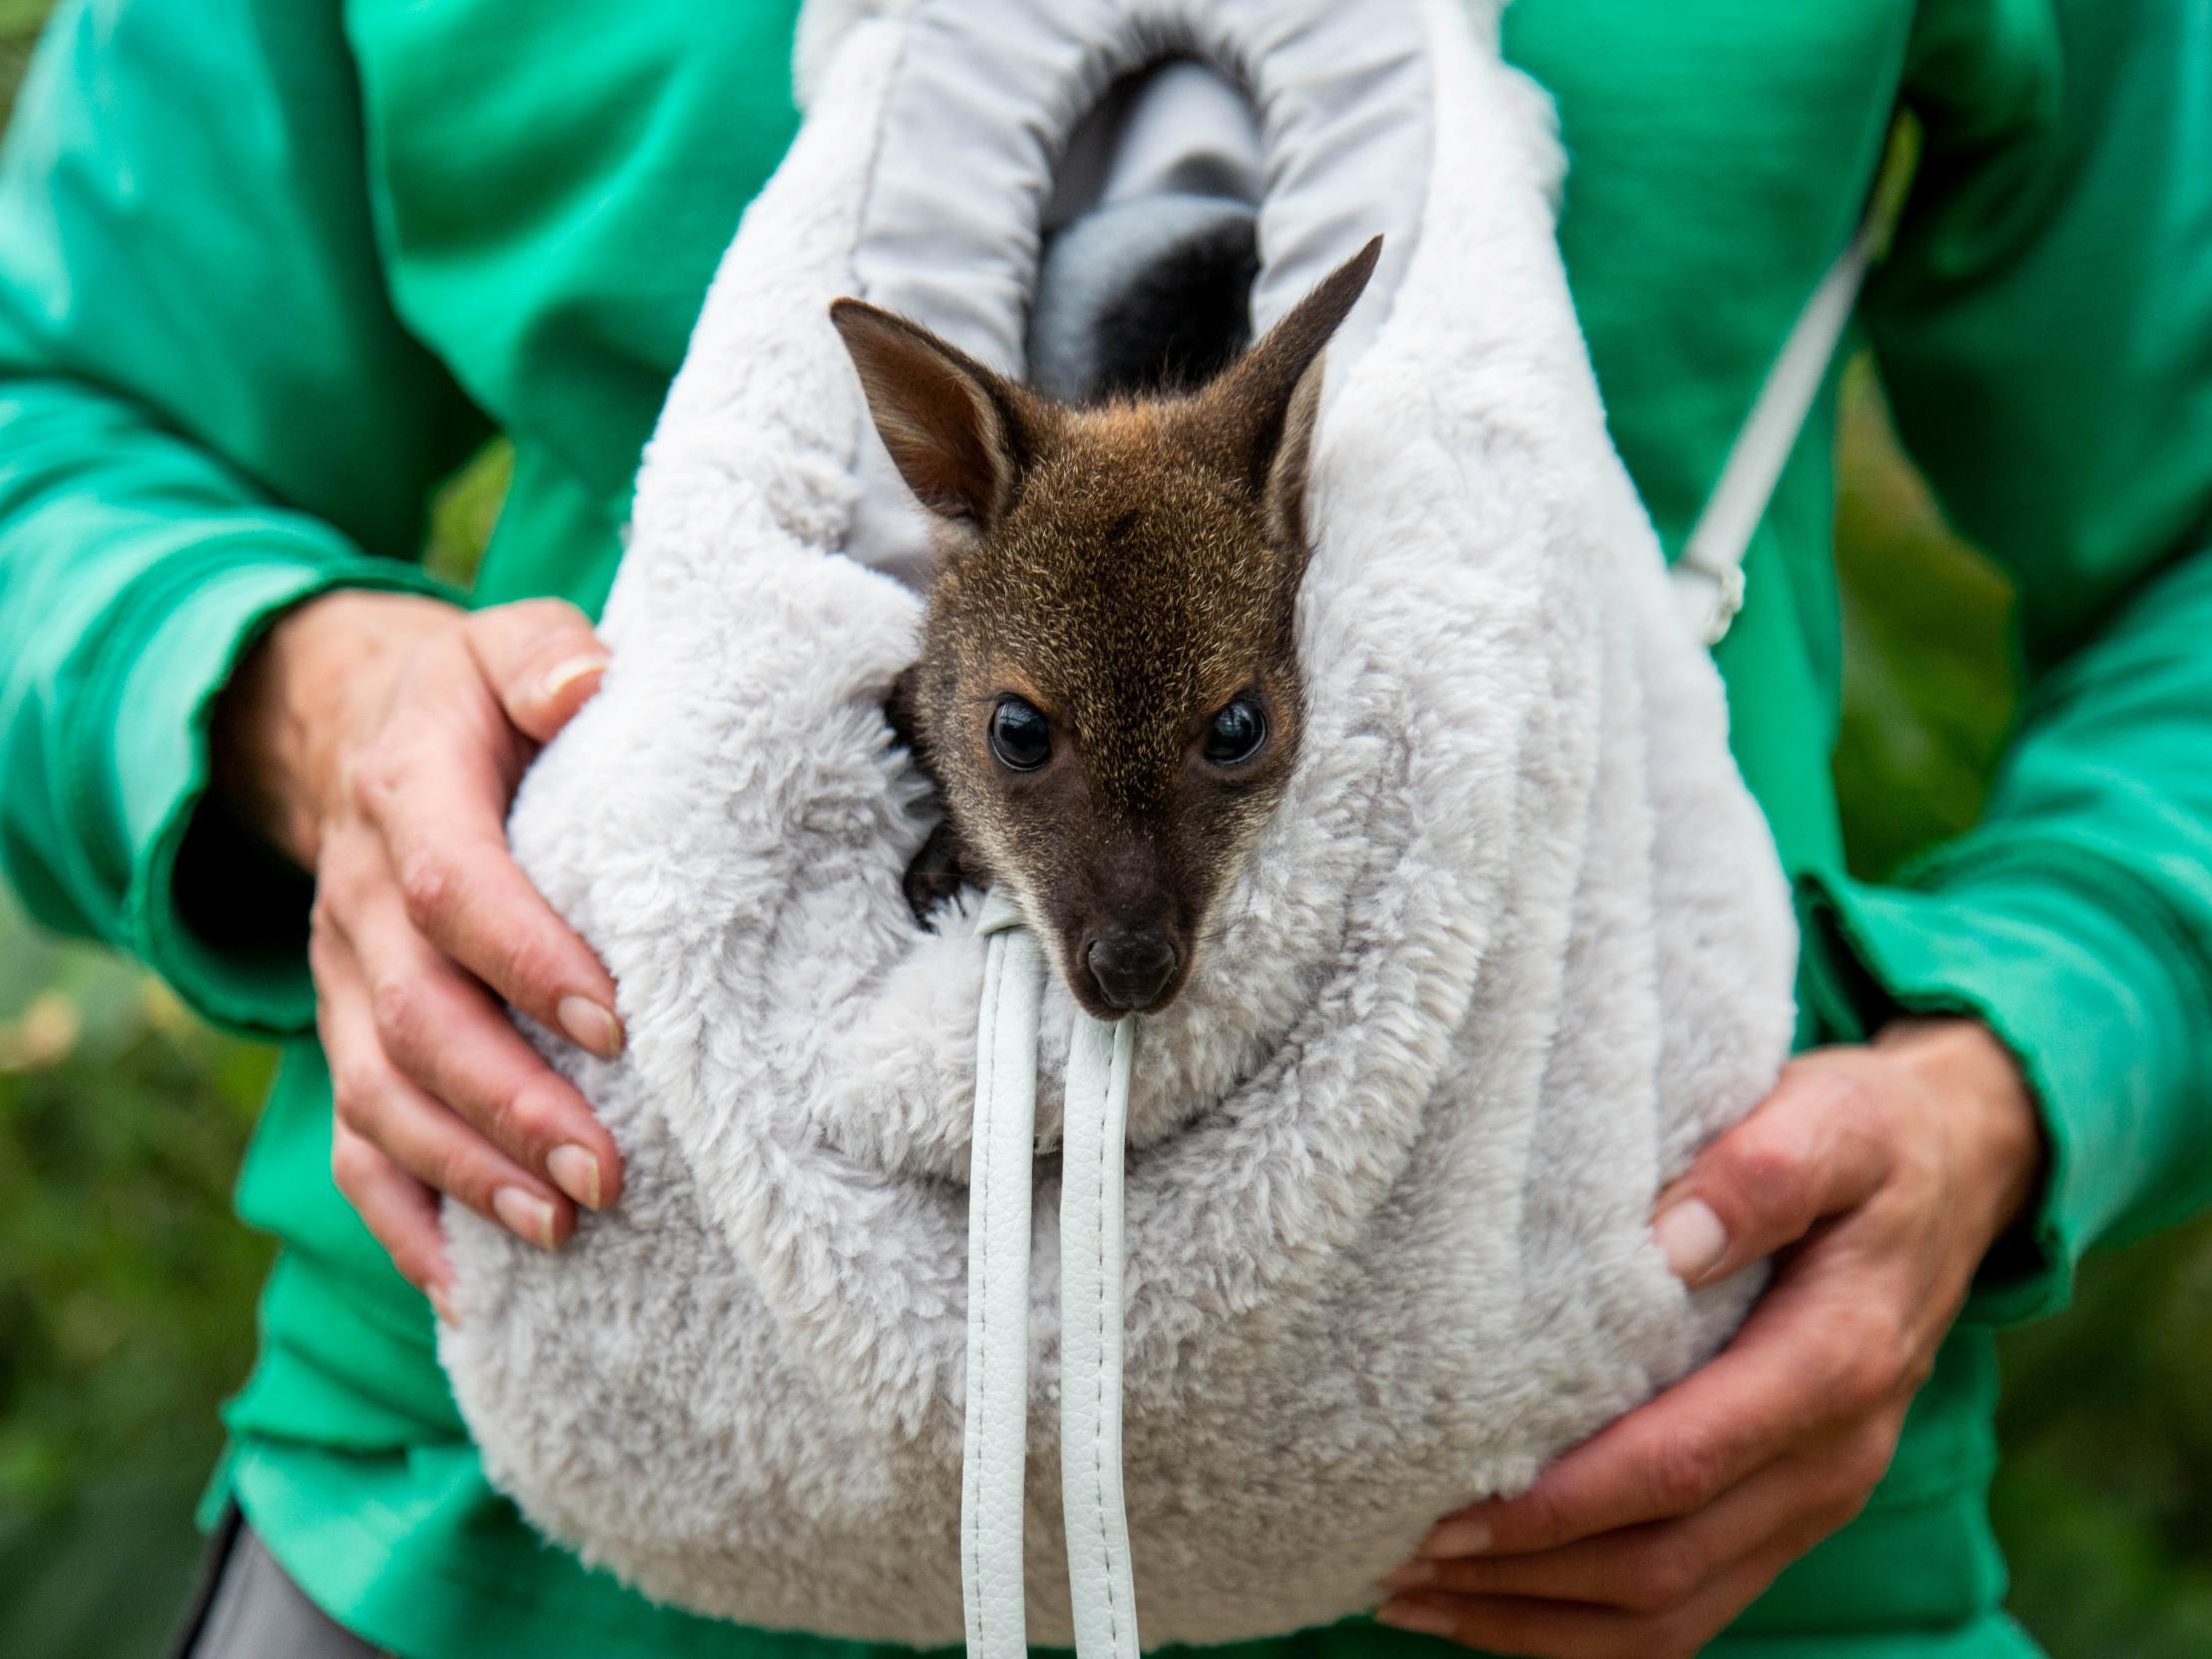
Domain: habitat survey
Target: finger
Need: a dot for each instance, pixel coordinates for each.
(1660, 1566)
(541, 659)
(1813, 1149)
(400, 1212)
(1544, 1629)
(444, 1154)
(1817, 1352)
(443, 1032)
(415, 1132)
(440, 812)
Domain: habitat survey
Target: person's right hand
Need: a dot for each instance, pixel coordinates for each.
(376, 739)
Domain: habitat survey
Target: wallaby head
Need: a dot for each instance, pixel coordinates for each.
(1108, 694)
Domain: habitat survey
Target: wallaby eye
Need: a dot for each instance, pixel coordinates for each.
(1236, 734)
(1021, 736)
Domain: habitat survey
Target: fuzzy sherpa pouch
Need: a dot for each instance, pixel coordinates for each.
(1513, 946)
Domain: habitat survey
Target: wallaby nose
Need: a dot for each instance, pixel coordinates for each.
(1130, 965)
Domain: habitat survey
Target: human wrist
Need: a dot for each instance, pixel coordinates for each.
(1996, 1136)
(281, 724)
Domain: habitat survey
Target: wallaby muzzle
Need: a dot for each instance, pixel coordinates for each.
(1132, 967)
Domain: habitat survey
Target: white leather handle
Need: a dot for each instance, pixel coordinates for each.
(1102, 1591)
(992, 1478)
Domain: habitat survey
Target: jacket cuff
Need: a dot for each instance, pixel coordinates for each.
(219, 916)
(2079, 987)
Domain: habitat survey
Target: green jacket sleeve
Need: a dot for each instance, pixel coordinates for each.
(210, 411)
(2044, 330)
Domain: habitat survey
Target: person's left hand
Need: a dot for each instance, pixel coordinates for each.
(1886, 1173)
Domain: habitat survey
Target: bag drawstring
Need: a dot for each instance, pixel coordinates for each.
(994, 1483)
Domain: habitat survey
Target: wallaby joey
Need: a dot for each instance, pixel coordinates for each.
(1108, 695)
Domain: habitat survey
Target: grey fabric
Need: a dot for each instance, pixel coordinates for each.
(1140, 295)
(1003, 121)
(254, 1610)
(987, 109)
(1168, 164)
(1179, 129)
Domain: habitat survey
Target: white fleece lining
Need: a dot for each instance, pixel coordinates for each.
(1515, 943)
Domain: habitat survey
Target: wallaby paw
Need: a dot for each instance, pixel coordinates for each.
(898, 709)
(934, 875)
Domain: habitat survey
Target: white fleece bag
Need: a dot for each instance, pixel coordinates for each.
(1515, 943)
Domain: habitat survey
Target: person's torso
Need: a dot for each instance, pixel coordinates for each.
(553, 187)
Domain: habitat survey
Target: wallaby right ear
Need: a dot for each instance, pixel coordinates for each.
(1267, 402)
(955, 430)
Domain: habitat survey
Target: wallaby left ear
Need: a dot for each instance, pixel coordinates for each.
(1273, 394)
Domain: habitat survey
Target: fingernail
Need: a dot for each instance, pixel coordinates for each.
(1453, 1539)
(525, 1215)
(1423, 1618)
(590, 1026)
(1412, 1576)
(1691, 1238)
(576, 1172)
(441, 1303)
(567, 673)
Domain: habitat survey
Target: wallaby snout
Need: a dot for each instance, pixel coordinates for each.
(1131, 967)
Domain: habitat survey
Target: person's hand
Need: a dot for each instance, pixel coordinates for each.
(1883, 1174)
(376, 739)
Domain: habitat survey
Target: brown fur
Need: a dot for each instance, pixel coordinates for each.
(1127, 570)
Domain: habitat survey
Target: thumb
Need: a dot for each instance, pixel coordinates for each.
(540, 658)
(1808, 1151)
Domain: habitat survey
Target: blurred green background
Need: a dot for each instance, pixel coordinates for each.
(125, 1290)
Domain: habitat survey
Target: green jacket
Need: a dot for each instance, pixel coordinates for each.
(270, 270)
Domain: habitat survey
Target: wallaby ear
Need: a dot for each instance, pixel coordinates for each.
(1270, 397)
(954, 429)
(1283, 495)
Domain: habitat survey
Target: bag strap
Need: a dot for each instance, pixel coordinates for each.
(1101, 1586)
(1709, 575)
(994, 1449)
(993, 1482)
